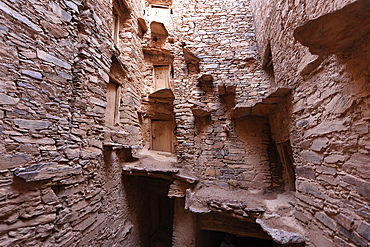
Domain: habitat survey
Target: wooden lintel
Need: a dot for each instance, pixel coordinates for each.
(158, 56)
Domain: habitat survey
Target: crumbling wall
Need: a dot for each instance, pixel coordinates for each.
(329, 124)
(56, 188)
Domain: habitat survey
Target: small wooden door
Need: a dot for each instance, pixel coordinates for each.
(112, 109)
(162, 135)
(161, 76)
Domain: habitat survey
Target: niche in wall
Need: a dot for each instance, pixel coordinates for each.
(268, 64)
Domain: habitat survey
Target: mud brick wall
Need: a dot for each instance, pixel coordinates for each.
(329, 127)
(56, 187)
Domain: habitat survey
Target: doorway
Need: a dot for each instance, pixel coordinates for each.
(150, 210)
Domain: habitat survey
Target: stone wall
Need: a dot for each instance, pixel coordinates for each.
(57, 189)
(215, 147)
(242, 86)
(329, 125)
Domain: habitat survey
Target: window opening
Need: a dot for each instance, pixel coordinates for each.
(160, 14)
(115, 35)
(268, 64)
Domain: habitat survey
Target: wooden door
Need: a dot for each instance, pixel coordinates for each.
(112, 109)
(161, 76)
(162, 135)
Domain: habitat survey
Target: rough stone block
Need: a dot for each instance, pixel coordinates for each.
(60, 12)
(326, 170)
(364, 230)
(33, 74)
(319, 144)
(359, 162)
(326, 220)
(305, 171)
(353, 236)
(312, 157)
(52, 59)
(309, 63)
(44, 171)
(19, 17)
(42, 219)
(319, 240)
(310, 188)
(362, 187)
(31, 124)
(91, 153)
(340, 104)
(27, 139)
(7, 100)
(345, 221)
(302, 217)
(13, 161)
(326, 127)
(334, 158)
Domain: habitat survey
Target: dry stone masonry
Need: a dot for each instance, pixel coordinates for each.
(173, 123)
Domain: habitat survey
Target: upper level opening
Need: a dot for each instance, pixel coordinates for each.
(159, 13)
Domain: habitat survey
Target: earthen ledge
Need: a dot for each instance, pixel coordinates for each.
(163, 93)
(185, 178)
(158, 56)
(190, 57)
(262, 108)
(199, 111)
(205, 79)
(336, 31)
(116, 146)
(281, 236)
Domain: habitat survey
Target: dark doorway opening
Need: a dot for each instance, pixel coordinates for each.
(217, 237)
(151, 210)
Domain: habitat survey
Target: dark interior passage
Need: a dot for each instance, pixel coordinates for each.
(150, 210)
(216, 238)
